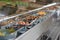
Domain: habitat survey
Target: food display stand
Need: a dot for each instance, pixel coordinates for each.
(27, 26)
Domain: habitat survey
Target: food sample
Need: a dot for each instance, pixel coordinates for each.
(28, 20)
(4, 32)
(42, 13)
(11, 30)
(3, 23)
(31, 17)
(11, 21)
(23, 23)
(6, 22)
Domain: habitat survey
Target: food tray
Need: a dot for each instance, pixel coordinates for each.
(25, 28)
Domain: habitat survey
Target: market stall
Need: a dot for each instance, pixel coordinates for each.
(27, 25)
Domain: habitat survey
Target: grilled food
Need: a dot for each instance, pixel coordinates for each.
(31, 17)
(42, 13)
(6, 22)
(23, 23)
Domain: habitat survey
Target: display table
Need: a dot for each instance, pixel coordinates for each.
(35, 32)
